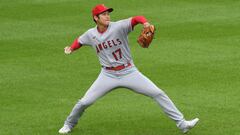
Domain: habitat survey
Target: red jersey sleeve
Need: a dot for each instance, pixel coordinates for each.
(75, 45)
(138, 19)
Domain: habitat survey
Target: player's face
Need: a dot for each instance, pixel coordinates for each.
(104, 18)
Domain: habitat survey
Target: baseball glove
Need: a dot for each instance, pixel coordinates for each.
(146, 36)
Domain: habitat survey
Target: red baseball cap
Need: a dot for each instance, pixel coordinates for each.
(98, 9)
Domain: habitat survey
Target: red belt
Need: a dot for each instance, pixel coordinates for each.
(117, 68)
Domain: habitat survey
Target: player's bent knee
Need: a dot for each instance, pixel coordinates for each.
(85, 103)
(158, 92)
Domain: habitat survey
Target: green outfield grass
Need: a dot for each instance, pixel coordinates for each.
(194, 58)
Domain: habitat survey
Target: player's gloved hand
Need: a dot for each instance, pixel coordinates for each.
(146, 36)
(146, 24)
(67, 50)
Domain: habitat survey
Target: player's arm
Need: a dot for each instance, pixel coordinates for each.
(75, 45)
(139, 20)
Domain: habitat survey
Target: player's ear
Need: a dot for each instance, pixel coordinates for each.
(95, 18)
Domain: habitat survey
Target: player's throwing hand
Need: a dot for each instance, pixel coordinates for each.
(67, 50)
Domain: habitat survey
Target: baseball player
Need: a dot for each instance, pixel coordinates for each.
(110, 42)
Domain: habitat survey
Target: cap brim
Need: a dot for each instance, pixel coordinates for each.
(109, 10)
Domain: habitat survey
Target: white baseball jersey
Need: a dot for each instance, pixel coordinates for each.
(111, 46)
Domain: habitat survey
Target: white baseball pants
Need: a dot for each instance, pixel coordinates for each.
(134, 81)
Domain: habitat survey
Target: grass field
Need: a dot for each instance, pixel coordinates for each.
(195, 59)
